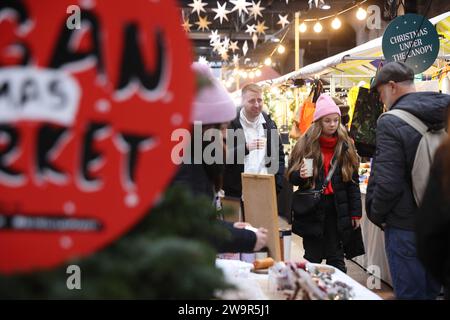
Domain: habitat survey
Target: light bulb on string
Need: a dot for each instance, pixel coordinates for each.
(317, 27)
(244, 75)
(258, 73)
(251, 75)
(268, 61)
(336, 23)
(302, 28)
(281, 49)
(361, 14)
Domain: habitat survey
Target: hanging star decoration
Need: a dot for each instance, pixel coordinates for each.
(226, 43)
(236, 59)
(221, 12)
(197, 6)
(240, 5)
(233, 46)
(250, 29)
(245, 48)
(202, 60)
(224, 56)
(283, 20)
(256, 9)
(255, 40)
(261, 27)
(217, 45)
(186, 25)
(214, 37)
(203, 23)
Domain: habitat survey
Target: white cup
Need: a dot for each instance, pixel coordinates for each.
(309, 166)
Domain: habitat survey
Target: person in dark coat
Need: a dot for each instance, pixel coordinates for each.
(254, 145)
(390, 202)
(328, 231)
(213, 109)
(433, 220)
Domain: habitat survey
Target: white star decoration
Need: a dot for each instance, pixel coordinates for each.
(256, 9)
(245, 48)
(197, 6)
(214, 36)
(202, 60)
(283, 20)
(250, 29)
(221, 12)
(240, 5)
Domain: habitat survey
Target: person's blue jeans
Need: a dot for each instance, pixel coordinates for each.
(409, 277)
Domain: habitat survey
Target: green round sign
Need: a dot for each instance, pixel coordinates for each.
(412, 41)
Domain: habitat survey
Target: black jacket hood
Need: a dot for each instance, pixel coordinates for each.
(430, 107)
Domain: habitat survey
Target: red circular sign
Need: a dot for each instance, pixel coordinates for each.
(89, 96)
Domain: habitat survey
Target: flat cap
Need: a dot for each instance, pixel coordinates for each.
(393, 71)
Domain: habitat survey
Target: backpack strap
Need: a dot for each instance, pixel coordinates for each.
(410, 119)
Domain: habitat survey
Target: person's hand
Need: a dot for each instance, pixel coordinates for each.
(256, 144)
(303, 171)
(253, 145)
(241, 225)
(356, 223)
(261, 239)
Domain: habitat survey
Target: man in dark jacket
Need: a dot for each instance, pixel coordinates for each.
(390, 202)
(254, 146)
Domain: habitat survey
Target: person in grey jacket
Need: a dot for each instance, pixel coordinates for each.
(390, 202)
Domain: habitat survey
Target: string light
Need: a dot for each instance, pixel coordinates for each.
(361, 14)
(317, 27)
(281, 49)
(303, 27)
(251, 75)
(336, 23)
(258, 73)
(268, 61)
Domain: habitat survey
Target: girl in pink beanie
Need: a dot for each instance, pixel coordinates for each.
(327, 229)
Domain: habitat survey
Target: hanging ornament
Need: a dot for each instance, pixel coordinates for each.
(214, 37)
(283, 20)
(233, 46)
(255, 10)
(250, 29)
(226, 43)
(203, 23)
(245, 48)
(186, 25)
(202, 60)
(240, 5)
(197, 6)
(221, 12)
(217, 45)
(255, 40)
(236, 59)
(261, 28)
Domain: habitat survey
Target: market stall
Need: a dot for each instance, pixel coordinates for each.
(347, 75)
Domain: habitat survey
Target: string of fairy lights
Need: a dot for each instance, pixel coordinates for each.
(315, 24)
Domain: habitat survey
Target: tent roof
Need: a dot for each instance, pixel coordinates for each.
(347, 62)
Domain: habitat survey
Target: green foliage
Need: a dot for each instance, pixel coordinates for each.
(166, 256)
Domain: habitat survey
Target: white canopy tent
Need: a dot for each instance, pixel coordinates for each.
(356, 62)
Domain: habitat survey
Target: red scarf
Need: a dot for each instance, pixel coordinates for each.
(327, 146)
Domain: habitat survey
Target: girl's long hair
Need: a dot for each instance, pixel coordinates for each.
(308, 146)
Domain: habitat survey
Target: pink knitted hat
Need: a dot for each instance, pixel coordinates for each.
(325, 106)
(212, 104)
